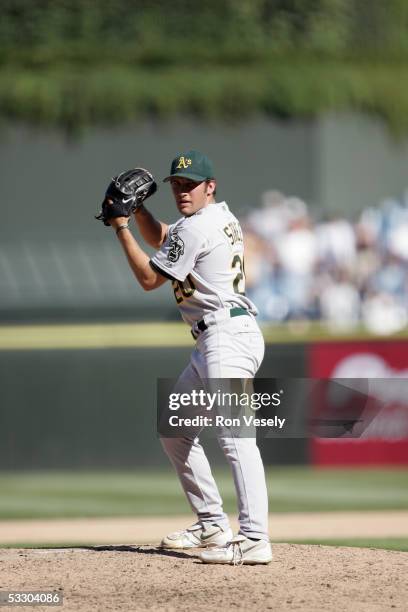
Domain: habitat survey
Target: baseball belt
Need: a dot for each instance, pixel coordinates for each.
(201, 326)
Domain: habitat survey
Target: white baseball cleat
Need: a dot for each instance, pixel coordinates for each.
(197, 535)
(239, 551)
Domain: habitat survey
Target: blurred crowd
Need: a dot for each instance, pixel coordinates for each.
(341, 272)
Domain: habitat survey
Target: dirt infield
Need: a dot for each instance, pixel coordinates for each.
(307, 578)
(143, 530)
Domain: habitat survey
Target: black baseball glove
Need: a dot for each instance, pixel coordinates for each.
(125, 193)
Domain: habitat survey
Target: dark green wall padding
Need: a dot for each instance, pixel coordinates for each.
(97, 408)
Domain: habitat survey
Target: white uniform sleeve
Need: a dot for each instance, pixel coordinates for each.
(179, 252)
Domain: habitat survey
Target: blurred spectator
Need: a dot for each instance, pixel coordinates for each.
(390, 277)
(269, 220)
(383, 314)
(336, 241)
(339, 302)
(333, 270)
(398, 241)
(297, 258)
(258, 254)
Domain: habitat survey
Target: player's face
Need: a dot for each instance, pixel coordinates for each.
(190, 196)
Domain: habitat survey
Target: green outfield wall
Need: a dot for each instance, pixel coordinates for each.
(84, 397)
(97, 408)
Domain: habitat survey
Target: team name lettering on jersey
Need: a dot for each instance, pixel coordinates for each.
(234, 233)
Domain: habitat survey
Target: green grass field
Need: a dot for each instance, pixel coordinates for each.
(155, 334)
(157, 493)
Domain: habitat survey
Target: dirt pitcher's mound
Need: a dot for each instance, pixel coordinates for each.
(307, 578)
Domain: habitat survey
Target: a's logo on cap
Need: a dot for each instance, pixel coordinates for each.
(183, 163)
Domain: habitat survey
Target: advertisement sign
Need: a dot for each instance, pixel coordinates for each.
(380, 369)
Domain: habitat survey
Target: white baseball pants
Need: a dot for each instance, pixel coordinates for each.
(233, 348)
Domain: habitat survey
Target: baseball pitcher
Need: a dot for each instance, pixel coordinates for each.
(202, 255)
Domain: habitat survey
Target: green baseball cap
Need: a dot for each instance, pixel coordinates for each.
(192, 165)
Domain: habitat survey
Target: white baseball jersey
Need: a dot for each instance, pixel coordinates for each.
(204, 257)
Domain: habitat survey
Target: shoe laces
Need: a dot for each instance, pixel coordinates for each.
(237, 553)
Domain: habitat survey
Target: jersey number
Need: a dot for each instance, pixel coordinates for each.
(239, 280)
(183, 289)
